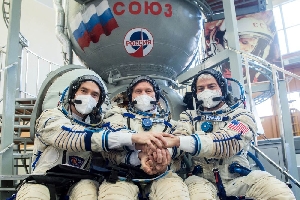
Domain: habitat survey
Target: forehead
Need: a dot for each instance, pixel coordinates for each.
(143, 85)
(91, 85)
(206, 79)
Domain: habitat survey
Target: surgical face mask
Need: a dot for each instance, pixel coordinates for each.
(209, 98)
(143, 102)
(87, 104)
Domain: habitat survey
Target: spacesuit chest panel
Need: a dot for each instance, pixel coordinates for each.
(142, 123)
(210, 123)
(147, 124)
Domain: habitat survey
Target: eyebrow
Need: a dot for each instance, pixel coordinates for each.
(88, 89)
(212, 84)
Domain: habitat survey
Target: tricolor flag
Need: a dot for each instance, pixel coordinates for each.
(238, 126)
(92, 23)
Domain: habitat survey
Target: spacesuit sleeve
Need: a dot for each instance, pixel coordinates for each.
(184, 127)
(229, 140)
(114, 122)
(55, 129)
(184, 124)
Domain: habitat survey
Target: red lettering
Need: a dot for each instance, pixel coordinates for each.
(138, 9)
(135, 8)
(121, 12)
(147, 7)
(159, 8)
(169, 10)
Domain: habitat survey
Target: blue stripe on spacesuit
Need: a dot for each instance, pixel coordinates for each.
(132, 116)
(168, 124)
(46, 121)
(174, 152)
(228, 146)
(127, 158)
(107, 125)
(197, 144)
(88, 141)
(71, 141)
(105, 140)
(38, 156)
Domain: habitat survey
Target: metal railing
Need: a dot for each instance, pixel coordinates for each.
(34, 70)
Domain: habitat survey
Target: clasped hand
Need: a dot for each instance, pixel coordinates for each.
(154, 155)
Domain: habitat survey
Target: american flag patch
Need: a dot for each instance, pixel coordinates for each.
(238, 126)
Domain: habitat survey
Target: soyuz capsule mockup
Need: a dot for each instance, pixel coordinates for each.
(135, 37)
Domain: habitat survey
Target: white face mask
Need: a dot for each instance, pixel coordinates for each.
(143, 102)
(87, 104)
(207, 97)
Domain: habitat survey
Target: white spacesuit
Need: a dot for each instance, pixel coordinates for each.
(67, 135)
(143, 115)
(220, 135)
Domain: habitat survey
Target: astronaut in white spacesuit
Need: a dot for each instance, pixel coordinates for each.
(220, 132)
(145, 114)
(67, 135)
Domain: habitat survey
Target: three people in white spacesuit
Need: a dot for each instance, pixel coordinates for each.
(67, 135)
(217, 135)
(144, 114)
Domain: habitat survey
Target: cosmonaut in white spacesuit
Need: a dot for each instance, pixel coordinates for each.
(220, 132)
(144, 114)
(67, 135)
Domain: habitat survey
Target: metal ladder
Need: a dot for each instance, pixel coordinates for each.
(22, 144)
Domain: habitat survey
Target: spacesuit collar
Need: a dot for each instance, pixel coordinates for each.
(77, 117)
(224, 109)
(153, 113)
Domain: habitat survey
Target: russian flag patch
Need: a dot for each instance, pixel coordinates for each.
(88, 26)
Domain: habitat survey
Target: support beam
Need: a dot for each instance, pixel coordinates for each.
(10, 84)
(233, 42)
(288, 136)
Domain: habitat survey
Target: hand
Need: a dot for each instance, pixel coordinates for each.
(160, 161)
(151, 167)
(153, 140)
(146, 166)
(162, 156)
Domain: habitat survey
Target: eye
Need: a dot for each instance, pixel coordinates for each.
(95, 95)
(83, 90)
(200, 89)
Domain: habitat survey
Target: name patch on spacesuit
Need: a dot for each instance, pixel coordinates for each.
(213, 118)
(76, 161)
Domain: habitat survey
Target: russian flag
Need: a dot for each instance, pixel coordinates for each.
(92, 23)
